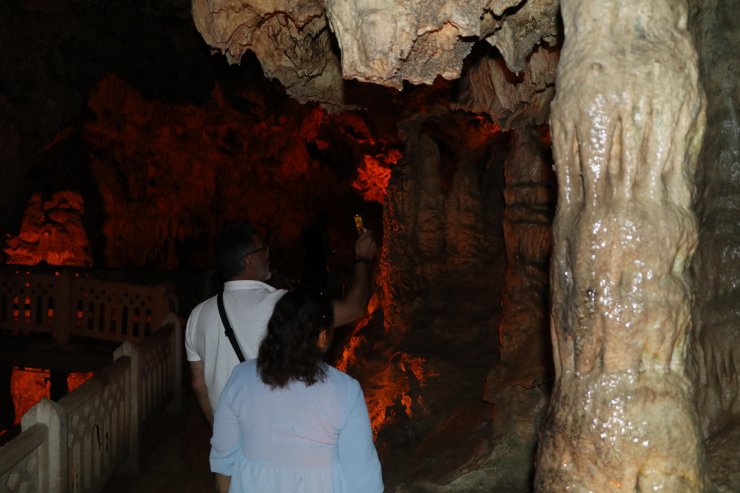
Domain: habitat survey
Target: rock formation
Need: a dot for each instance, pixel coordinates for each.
(173, 178)
(51, 232)
(621, 415)
(519, 385)
(384, 43)
(715, 348)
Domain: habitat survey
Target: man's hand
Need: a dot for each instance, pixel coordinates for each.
(365, 246)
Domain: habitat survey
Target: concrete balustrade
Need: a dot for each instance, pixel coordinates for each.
(76, 445)
(69, 303)
(24, 464)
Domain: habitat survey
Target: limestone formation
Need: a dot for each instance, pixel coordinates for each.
(529, 24)
(518, 386)
(440, 272)
(52, 231)
(214, 165)
(512, 99)
(716, 339)
(384, 42)
(291, 39)
(387, 42)
(621, 415)
(437, 228)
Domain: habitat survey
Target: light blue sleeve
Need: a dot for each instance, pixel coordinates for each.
(226, 433)
(357, 454)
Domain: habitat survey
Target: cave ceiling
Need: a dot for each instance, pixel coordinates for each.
(69, 67)
(313, 47)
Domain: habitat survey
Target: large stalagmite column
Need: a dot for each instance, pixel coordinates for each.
(627, 123)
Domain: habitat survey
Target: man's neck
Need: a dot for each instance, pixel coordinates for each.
(248, 276)
(244, 278)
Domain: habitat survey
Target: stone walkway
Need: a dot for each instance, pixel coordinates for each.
(174, 455)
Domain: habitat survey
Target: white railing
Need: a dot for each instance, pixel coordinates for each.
(68, 303)
(76, 444)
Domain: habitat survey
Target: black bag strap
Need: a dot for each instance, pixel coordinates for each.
(227, 326)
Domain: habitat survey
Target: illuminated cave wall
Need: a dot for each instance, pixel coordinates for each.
(159, 152)
(424, 355)
(30, 385)
(170, 174)
(51, 232)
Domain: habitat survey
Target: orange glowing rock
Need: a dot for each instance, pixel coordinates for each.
(415, 365)
(373, 304)
(407, 402)
(373, 175)
(545, 136)
(29, 385)
(52, 232)
(381, 396)
(74, 380)
(486, 126)
(396, 387)
(393, 385)
(349, 354)
(169, 174)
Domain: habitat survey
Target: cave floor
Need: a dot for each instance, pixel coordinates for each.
(174, 455)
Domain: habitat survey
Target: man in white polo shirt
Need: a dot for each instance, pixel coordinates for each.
(244, 259)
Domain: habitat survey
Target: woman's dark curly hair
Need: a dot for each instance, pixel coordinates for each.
(290, 348)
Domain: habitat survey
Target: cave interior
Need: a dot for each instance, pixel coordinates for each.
(131, 131)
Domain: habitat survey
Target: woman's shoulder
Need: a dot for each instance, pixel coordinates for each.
(247, 369)
(341, 380)
(241, 379)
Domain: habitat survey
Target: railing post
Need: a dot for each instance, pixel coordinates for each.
(177, 349)
(63, 310)
(131, 464)
(54, 467)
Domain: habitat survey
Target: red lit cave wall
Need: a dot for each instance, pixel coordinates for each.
(373, 175)
(51, 231)
(30, 385)
(432, 321)
(172, 174)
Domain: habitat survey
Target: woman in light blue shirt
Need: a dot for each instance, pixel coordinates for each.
(289, 423)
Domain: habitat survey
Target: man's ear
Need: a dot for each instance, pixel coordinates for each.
(323, 341)
(248, 262)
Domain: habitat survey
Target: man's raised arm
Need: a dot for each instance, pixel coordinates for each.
(353, 305)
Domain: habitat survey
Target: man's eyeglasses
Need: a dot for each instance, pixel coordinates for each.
(263, 247)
